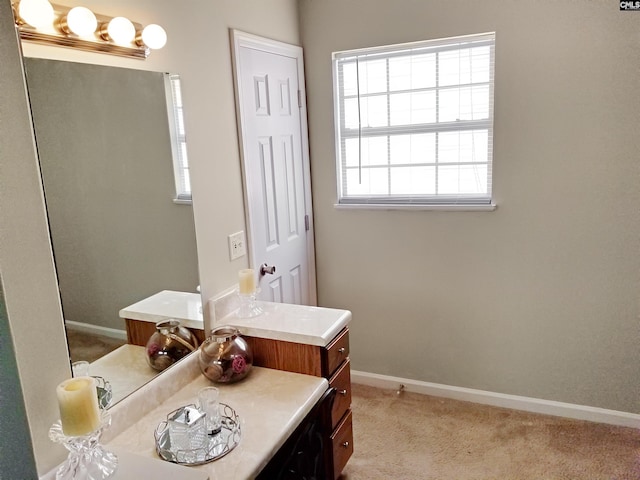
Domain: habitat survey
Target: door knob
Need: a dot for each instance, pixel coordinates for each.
(264, 269)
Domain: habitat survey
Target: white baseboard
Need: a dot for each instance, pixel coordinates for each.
(515, 402)
(96, 329)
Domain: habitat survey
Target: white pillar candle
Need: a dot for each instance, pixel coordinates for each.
(78, 402)
(247, 280)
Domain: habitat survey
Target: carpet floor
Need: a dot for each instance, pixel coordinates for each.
(89, 347)
(413, 436)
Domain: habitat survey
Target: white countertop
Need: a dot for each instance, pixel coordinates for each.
(132, 467)
(292, 323)
(136, 467)
(278, 321)
(270, 404)
(183, 306)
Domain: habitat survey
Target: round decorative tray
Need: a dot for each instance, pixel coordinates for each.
(218, 445)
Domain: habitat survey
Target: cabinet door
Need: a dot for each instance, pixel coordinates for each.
(306, 455)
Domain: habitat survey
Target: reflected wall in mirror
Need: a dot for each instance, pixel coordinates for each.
(105, 151)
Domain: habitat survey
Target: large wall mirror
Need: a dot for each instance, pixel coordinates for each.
(118, 237)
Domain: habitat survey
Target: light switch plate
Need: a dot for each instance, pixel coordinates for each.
(237, 245)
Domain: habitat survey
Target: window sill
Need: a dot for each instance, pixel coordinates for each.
(439, 208)
(182, 201)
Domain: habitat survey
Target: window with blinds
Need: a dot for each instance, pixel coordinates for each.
(414, 122)
(178, 139)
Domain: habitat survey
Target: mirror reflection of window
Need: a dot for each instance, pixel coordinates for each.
(178, 139)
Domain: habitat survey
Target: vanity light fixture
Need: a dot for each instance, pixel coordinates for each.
(78, 27)
(37, 13)
(153, 36)
(119, 29)
(79, 20)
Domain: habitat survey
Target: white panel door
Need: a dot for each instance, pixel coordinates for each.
(269, 89)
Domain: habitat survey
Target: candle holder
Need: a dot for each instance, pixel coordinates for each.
(87, 459)
(248, 306)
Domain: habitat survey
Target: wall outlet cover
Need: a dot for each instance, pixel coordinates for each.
(237, 245)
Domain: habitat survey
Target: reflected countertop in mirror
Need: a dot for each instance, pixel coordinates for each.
(125, 368)
(183, 306)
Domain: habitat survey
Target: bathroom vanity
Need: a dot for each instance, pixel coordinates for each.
(271, 405)
(312, 341)
(293, 341)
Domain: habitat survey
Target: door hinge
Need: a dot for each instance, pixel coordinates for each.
(306, 222)
(299, 99)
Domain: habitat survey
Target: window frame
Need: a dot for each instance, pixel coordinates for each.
(175, 112)
(412, 201)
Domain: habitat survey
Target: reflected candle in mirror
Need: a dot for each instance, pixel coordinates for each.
(247, 281)
(78, 405)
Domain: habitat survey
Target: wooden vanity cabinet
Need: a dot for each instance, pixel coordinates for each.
(306, 453)
(331, 362)
(139, 332)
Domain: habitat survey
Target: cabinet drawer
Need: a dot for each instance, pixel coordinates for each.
(335, 353)
(342, 443)
(341, 381)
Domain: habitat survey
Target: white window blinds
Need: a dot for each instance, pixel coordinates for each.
(178, 138)
(414, 122)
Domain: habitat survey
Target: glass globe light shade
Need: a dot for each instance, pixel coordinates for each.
(121, 30)
(37, 13)
(82, 21)
(154, 36)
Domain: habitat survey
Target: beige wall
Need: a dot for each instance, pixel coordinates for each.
(540, 297)
(198, 49)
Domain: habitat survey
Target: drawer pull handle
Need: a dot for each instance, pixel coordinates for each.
(345, 444)
(341, 350)
(343, 392)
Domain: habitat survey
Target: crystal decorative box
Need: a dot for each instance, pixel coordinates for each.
(187, 428)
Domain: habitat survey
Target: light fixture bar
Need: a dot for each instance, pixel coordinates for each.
(93, 43)
(88, 45)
